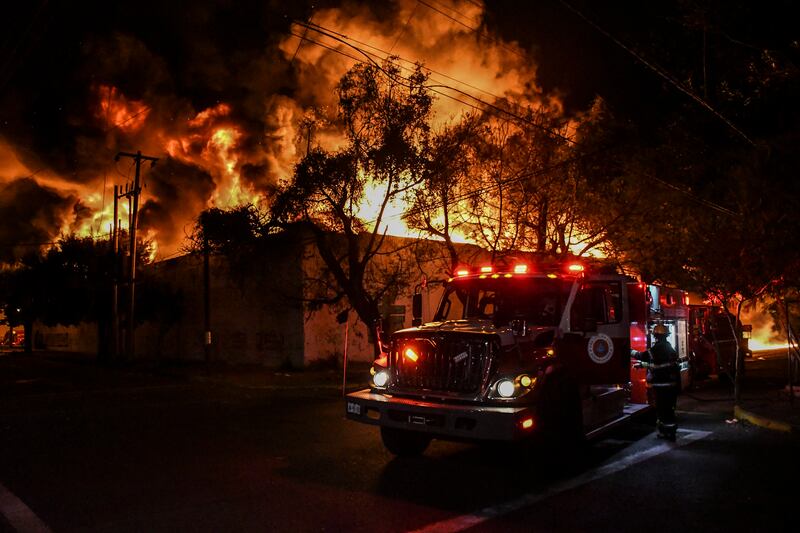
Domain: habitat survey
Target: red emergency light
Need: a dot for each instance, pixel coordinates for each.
(520, 269)
(575, 267)
(487, 269)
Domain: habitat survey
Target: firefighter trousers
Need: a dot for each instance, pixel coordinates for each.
(666, 398)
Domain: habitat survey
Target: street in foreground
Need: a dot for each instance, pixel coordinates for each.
(85, 448)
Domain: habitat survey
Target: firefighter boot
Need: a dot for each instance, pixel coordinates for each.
(667, 431)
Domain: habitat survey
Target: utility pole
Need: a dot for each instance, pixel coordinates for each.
(206, 300)
(115, 282)
(138, 158)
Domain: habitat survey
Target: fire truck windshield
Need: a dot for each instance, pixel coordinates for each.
(539, 301)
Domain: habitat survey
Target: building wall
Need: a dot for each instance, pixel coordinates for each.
(256, 309)
(260, 309)
(81, 338)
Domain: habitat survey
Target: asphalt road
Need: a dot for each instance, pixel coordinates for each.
(89, 449)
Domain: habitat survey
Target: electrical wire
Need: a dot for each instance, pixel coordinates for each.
(434, 88)
(661, 72)
(477, 31)
(369, 56)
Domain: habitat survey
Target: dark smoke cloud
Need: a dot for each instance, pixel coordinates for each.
(31, 215)
(180, 61)
(181, 191)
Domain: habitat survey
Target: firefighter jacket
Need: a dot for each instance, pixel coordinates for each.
(661, 361)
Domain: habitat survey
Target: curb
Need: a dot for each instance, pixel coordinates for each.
(761, 421)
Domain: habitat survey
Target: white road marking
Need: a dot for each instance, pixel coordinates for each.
(460, 523)
(20, 515)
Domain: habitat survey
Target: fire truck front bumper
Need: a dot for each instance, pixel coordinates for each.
(453, 421)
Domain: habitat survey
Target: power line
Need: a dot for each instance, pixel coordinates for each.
(369, 57)
(433, 88)
(391, 54)
(477, 31)
(661, 72)
(456, 11)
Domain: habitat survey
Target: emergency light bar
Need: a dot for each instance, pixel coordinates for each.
(489, 271)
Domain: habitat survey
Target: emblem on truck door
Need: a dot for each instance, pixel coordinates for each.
(460, 357)
(600, 348)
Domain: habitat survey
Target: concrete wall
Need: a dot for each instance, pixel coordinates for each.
(81, 338)
(256, 309)
(260, 310)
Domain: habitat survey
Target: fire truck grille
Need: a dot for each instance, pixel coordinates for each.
(440, 364)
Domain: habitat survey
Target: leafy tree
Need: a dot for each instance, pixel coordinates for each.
(384, 117)
(68, 284)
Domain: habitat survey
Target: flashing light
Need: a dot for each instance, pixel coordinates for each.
(411, 355)
(552, 276)
(520, 269)
(506, 388)
(482, 276)
(508, 275)
(575, 267)
(525, 381)
(495, 276)
(527, 423)
(381, 378)
(462, 272)
(685, 299)
(551, 352)
(487, 269)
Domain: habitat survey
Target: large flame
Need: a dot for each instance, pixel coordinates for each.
(117, 111)
(468, 69)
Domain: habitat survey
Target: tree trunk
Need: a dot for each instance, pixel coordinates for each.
(27, 327)
(737, 379)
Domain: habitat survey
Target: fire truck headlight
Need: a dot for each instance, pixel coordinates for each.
(380, 379)
(506, 388)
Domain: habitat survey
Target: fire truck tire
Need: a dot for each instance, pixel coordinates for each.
(403, 442)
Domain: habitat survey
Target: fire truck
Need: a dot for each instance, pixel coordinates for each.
(714, 336)
(519, 351)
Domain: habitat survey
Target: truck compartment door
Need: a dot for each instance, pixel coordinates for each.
(597, 348)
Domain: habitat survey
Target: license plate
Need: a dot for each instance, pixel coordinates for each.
(353, 408)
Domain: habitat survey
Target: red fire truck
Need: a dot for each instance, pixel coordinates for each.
(517, 351)
(714, 335)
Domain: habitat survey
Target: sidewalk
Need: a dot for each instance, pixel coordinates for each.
(766, 401)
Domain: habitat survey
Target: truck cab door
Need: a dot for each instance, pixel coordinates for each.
(596, 348)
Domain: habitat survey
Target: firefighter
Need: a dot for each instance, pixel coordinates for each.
(663, 378)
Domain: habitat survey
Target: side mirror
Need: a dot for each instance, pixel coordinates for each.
(589, 324)
(416, 309)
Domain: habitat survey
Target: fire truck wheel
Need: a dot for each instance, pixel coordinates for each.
(403, 442)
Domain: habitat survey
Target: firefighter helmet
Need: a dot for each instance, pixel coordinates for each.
(660, 329)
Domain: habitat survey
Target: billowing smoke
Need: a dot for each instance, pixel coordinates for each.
(33, 216)
(228, 97)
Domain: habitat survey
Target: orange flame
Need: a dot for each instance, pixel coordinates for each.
(117, 111)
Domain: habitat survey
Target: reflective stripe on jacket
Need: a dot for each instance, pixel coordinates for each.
(662, 364)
